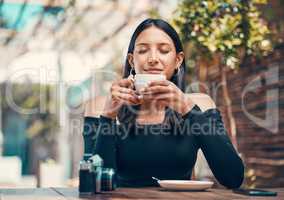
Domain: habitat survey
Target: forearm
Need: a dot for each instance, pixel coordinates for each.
(223, 160)
(89, 133)
(220, 154)
(99, 138)
(105, 144)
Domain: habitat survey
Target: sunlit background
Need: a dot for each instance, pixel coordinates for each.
(55, 55)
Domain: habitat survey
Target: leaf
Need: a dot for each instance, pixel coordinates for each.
(209, 24)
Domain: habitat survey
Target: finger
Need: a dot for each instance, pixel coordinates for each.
(133, 102)
(163, 96)
(116, 90)
(131, 78)
(131, 86)
(126, 82)
(161, 82)
(128, 102)
(137, 102)
(126, 97)
(126, 91)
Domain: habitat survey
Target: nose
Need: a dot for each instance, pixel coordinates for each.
(153, 59)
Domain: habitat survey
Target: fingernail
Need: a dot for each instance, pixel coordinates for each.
(140, 96)
(142, 90)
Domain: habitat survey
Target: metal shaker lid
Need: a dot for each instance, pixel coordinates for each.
(97, 161)
(87, 156)
(85, 165)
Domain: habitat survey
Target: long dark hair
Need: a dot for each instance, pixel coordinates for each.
(127, 114)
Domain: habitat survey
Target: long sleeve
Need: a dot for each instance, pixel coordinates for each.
(89, 132)
(99, 138)
(212, 137)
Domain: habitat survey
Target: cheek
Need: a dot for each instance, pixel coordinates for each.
(169, 63)
(168, 60)
(169, 73)
(139, 62)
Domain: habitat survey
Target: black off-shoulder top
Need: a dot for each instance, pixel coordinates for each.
(164, 152)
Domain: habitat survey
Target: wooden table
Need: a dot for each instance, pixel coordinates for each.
(126, 193)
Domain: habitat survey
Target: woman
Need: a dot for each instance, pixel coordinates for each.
(159, 131)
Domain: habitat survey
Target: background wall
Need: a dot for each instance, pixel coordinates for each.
(259, 115)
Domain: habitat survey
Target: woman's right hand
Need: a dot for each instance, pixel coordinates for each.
(121, 92)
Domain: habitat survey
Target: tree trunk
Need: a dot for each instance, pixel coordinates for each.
(228, 106)
(202, 75)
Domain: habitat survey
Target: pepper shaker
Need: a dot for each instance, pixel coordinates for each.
(108, 180)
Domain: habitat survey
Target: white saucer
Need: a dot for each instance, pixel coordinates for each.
(185, 185)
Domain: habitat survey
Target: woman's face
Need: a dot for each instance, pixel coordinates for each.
(154, 52)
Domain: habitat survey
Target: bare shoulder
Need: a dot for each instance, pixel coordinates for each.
(204, 101)
(94, 107)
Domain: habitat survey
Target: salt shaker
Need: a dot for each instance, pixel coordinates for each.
(86, 181)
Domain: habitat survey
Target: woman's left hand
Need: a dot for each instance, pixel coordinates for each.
(166, 93)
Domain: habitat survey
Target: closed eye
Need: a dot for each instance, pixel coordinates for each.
(164, 51)
(142, 51)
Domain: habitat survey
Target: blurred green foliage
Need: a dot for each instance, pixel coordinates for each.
(35, 104)
(233, 28)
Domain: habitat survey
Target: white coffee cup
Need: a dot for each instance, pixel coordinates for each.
(142, 80)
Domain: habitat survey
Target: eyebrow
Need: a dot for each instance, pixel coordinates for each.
(143, 43)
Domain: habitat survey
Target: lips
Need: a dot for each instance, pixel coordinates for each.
(154, 71)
